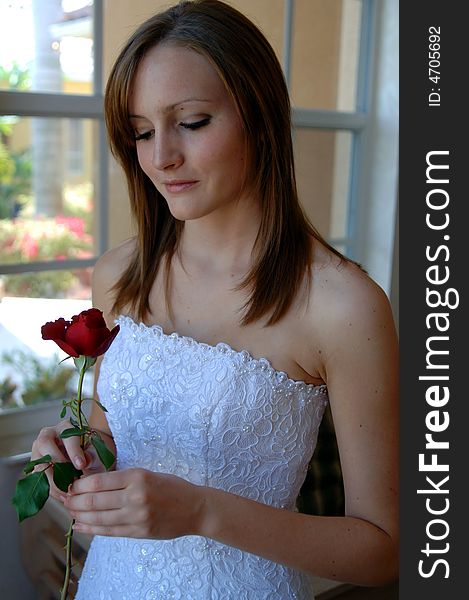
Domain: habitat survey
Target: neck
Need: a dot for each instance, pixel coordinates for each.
(222, 241)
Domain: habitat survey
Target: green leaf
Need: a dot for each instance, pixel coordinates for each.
(74, 422)
(39, 461)
(63, 412)
(30, 495)
(71, 432)
(84, 362)
(104, 454)
(90, 361)
(80, 362)
(100, 405)
(65, 474)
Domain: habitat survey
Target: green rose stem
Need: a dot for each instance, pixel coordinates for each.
(68, 563)
(82, 363)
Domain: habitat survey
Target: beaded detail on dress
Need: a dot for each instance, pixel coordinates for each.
(213, 416)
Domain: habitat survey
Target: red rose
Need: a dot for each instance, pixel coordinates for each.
(85, 335)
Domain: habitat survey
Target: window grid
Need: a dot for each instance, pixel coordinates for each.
(355, 122)
(47, 105)
(361, 139)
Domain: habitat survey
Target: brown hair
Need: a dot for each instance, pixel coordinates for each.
(253, 76)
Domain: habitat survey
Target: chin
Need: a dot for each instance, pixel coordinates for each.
(186, 213)
(189, 209)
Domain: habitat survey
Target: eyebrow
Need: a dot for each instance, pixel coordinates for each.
(171, 107)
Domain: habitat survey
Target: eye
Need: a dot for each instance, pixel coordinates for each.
(197, 124)
(146, 135)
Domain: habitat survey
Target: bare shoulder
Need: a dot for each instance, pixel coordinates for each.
(345, 299)
(112, 263)
(348, 322)
(107, 271)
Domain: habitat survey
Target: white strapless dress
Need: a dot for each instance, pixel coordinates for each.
(216, 417)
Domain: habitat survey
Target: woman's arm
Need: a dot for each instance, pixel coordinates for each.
(359, 345)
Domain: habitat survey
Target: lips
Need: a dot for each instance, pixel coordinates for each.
(179, 186)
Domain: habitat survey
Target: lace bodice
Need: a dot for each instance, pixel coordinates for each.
(216, 417)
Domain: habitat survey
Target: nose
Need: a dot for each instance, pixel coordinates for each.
(166, 151)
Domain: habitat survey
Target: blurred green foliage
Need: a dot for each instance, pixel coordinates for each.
(42, 379)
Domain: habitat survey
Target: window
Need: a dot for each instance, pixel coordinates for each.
(340, 62)
(339, 58)
(53, 183)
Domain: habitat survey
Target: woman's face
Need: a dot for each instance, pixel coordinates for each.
(189, 137)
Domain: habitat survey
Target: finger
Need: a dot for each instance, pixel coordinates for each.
(99, 501)
(47, 442)
(106, 518)
(100, 482)
(93, 463)
(107, 530)
(72, 446)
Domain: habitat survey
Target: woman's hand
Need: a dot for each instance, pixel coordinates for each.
(49, 442)
(136, 503)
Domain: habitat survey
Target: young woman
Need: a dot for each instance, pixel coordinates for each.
(212, 439)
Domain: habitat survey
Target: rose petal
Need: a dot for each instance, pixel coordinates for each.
(94, 318)
(67, 348)
(54, 330)
(83, 339)
(107, 342)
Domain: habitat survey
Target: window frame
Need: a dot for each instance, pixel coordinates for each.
(356, 122)
(71, 106)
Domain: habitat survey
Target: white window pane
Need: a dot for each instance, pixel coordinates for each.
(53, 52)
(31, 372)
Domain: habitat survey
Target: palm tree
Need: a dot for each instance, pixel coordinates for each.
(47, 138)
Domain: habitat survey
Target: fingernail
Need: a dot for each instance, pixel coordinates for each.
(79, 462)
